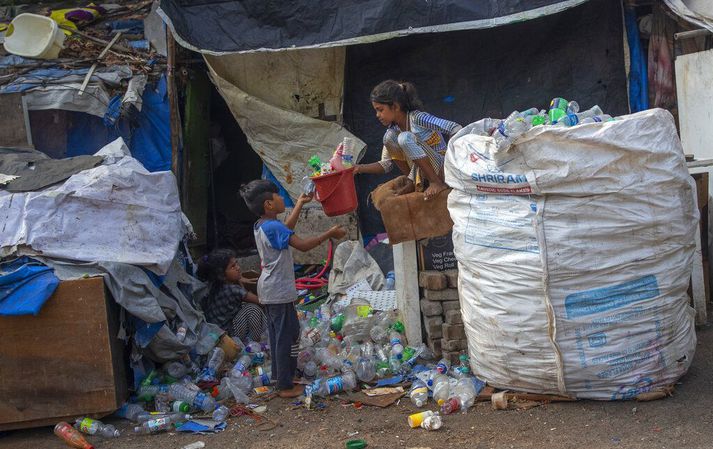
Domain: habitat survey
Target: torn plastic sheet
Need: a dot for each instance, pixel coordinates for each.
(125, 213)
(699, 12)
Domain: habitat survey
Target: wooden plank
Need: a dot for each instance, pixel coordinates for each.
(697, 283)
(406, 272)
(63, 362)
(15, 123)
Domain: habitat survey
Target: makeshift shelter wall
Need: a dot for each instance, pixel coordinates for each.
(466, 75)
(298, 80)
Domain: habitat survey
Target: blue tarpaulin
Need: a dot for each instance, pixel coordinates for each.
(25, 285)
(638, 76)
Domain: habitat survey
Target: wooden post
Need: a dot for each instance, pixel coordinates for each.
(173, 105)
(407, 298)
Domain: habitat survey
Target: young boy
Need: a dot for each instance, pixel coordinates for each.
(276, 286)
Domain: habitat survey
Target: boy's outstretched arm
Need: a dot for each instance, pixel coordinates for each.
(295, 214)
(307, 243)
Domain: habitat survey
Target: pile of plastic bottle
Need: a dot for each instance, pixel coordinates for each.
(357, 344)
(561, 113)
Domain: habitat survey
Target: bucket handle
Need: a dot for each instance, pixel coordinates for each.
(336, 185)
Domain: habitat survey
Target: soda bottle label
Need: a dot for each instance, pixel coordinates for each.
(156, 424)
(420, 390)
(442, 368)
(85, 425)
(198, 401)
(335, 385)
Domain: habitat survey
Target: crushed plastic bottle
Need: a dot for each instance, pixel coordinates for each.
(432, 422)
(390, 282)
(240, 397)
(130, 411)
(462, 397)
(221, 413)
(241, 366)
(95, 427)
(217, 355)
(441, 388)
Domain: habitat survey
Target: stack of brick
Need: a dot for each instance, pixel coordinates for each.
(440, 307)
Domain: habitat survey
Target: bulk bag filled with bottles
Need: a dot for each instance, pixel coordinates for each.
(574, 250)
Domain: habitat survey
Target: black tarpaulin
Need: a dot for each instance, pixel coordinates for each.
(234, 26)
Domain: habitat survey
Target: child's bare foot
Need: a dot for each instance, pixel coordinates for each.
(434, 189)
(293, 392)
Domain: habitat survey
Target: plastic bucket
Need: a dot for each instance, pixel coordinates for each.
(336, 192)
(34, 36)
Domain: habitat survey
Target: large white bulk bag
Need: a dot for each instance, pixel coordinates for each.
(575, 249)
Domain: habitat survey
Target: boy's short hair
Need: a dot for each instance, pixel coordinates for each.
(256, 192)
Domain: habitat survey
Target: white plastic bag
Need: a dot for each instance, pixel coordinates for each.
(575, 248)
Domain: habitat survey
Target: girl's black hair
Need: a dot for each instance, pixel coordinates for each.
(211, 267)
(393, 92)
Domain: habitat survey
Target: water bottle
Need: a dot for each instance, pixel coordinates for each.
(148, 392)
(174, 417)
(221, 391)
(347, 161)
(129, 411)
(441, 388)
(443, 366)
(575, 119)
(432, 422)
(153, 426)
(572, 107)
(261, 377)
(258, 358)
(180, 407)
(378, 334)
(221, 413)
(240, 397)
(217, 356)
(462, 397)
(559, 103)
(162, 402)
(365, 370)
(197, 400)
(390, 281)
(419, 393)
(254, 347)
(95, 427)
(334, 385)
(597, 119)
(310, 370)
(241, 366)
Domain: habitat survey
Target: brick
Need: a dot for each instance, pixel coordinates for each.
(454, 345)
(432, 280)
(449, 294)
(452, 277)
(450, 305)
(431, 308)
(453, 332)
(453, 316)
(435, 346)
(434, 326)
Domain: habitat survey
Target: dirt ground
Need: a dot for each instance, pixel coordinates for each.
(683, 421)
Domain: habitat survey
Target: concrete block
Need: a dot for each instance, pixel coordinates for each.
(453, 316)
(449, 294)
(452, 277)
(432, 280)
(452, 356)
(454, 345)
(450, 305)
(453, 332)
(434, 326)
(431, 308)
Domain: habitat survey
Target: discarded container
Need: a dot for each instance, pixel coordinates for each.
(34, 36)
(71, 436)
(95, 427)
(356, 444)
(336, 192)
(416, 419)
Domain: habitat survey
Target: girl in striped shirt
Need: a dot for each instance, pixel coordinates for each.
(413, 140)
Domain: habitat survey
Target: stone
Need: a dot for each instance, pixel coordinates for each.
(435, 346)
(452, 277)
(454, 345)
(453, 316)
(432, 280)
(434, 326)
(431, 308)
(451, 356)
(453, 332)
(449, 294)
(450, 305)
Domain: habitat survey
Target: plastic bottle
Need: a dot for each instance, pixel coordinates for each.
(419, 393)
(336, 384)
(254, 347)
(154, 426)
(441, 388)
(175, 369)
(390, 283)
(129, 411)
(221, 391)
(433, 422)
(240, 397)
(597, 119)
(572, 107)
(162, 402)
(416, 419)
(181, 333)
(382, 364)
(221, 413)
(174, 417)
(262, 377)
(217, 356)
(95, 427)
(335, 162)
(148, 392)
(443, 366)
(347, 161)
(379, 334)
(575, 119)
(461, 398)
(397, 349)
(196, 399)
(71, 436)
(180, 406)
(463, 368)
(242, 365)
(365, 369)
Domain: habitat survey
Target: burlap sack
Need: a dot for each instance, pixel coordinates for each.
(410, 217)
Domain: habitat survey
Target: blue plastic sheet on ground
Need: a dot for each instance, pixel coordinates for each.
(267, 174)
(202, 426)
(25, 285)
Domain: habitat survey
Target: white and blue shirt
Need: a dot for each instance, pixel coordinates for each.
(276, 284)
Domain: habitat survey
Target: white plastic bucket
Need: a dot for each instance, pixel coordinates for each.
(34, 36)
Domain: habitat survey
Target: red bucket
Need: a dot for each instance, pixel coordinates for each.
(336, 192)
